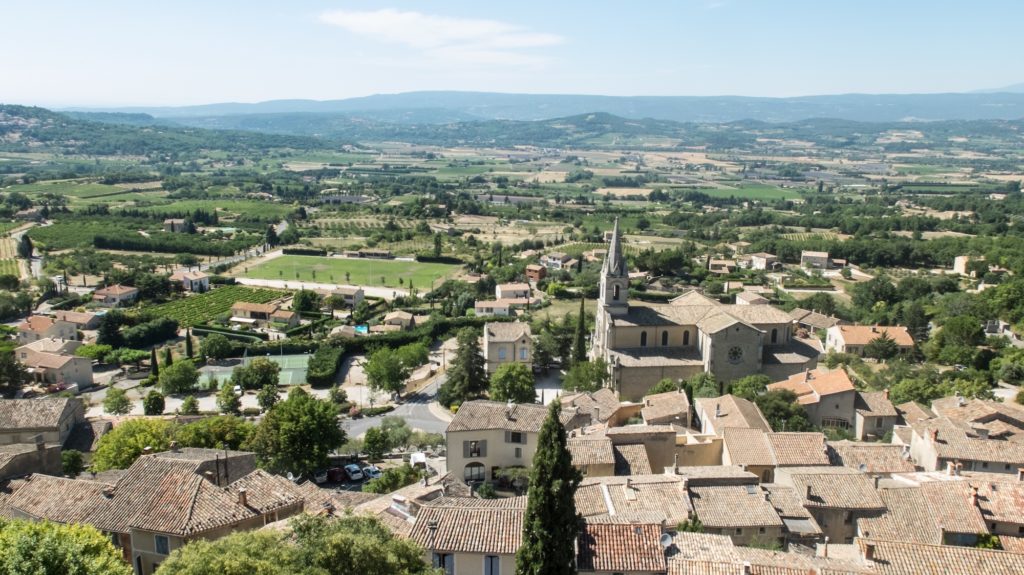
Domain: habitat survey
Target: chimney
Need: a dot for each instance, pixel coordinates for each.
(824, 548)
(629, 483)
(885, 393)
(1020, 474)
(950, 468)
(982, 432)
(974, 497)
(934, 434)
(808, 493)
(209, 477)
(675, 463)
(718, 410)
(40, 444)
(746, 568)
(174, 446)
(108, 492)
(876, 478)
(243, 498)
(869, 551)
(959, 468)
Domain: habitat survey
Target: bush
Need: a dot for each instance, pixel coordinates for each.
(379, 410)
(251, 411)
(71, 462)
(153, 404)
(323, 366)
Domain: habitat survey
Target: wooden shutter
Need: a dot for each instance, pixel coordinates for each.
(465, 449)
(508, 436)
(483, 447)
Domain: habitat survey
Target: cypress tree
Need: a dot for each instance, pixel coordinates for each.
(579, 346)
(168, 357)
(551, 524)
(154, 367)
(188, 343)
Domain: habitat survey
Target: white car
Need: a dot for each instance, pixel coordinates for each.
(371, 472)
(353, 472)
(238, 390)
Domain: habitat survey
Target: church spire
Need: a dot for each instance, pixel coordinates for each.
(614, 264)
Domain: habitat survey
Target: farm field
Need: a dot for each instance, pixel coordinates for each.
(202, 308)
(240, 207)
(368, 272)
(753, 192)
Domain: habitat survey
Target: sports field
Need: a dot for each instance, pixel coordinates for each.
(368, 272)
(293, 371)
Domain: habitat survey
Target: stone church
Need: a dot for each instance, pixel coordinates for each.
(645, 343)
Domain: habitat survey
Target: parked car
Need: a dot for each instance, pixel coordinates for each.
(371, 472)
(353, 472)
(336, 474)
(238, 390)
(320, 476)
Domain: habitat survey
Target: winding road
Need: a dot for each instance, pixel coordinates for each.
(415, 410)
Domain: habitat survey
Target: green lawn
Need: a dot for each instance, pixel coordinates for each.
(70, 188)
(753, 192)
(240, 207)
(361, 271)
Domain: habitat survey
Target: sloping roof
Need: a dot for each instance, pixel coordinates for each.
(716, 475)
(505, 331)
(605, 400)
(631, 459)
(811, 385)
(813, 318)
(620, 548)
(59, 499)
(37, 413)
(643, 498)
(874, 404)
(267, 308)
(586, 451)
(480, 414)
(964, 443)
(907, 517)
(475, 526)
(747, 446)
(734, 412)
(870, 457)
(864, 334)
(912, 412)
(514, 287)
(788, 504)
(36, 323)
(733, 506)
(116, 290)
(798, 448)
(663, 405)
(905, 558)
(851, 491)
(266, 493)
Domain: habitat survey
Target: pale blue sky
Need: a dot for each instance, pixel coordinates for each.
(159, 52)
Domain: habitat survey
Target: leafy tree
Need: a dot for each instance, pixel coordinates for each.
(180, 377)
(551, 523)
(71, 462)
(375, 443)
(467, 375)
(392, 479)
(396, 430)
(116, 402)
(438, 245)
(586, 376)
(354, 544)
(305, 300)
(44, 548)
(545, 350)
(267, 397)
(388, 369)
(261, 372)
(749, 387)
(228, 401)
(125, 356)
(215, 432)
(782, 411)
(240, 553)
(215, 346)
(271, 238)
(691, 525)
(190, 406)
(882, 347)
(1020, 397)
(988, 541)
(297, 434)
(109, 330)
(579, 345)
(513, 382)
(664, 386)
(119, 448)
(12, 373)
(153, 403)
(25, 247)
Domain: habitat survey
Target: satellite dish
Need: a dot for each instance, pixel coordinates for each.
(665, 540)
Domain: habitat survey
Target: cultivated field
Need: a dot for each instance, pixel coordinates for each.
(202, 308)
(368, 272)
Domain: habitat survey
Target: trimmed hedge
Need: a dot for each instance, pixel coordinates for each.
(304, 252)
(323, 366)
(230, 334)
(440, 260)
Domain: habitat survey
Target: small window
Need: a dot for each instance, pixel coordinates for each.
(643, 339)
(775, 335)
(162, 545)
(501, 353)
(474, 472)
(474, 449)
(664, 338)
(984, 465)
(492, 565)
(519, 453)
(615, 293)
(761, 530)
(516, 437)
(739, 531)
(523, 353)
(878, 425)
(686, 338)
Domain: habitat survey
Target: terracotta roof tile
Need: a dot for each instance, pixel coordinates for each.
(870, 457)
(461, 528)
(903, 558)
(39, 413)
(620, 548)
(585, 451)
(479, 414)
(733, 506)
(864, 334)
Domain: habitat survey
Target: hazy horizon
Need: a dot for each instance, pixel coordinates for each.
(119, 53)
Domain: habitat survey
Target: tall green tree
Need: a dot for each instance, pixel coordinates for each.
(215, 346)
(261, 372)
(551, 524)
(513, 382)
(586, 376)
(297, 434)
(180, 377)
(222, 431)
(123, 444)
(579, 344)
(12, 372)
(882, 347)
(228, 401)
(188, 343)
(44, 548)
(153, 403)
(25, 247)
(168, 357)
(116, 402)
(267, 397)
(467, 373)
(154, 365)
(271, 238)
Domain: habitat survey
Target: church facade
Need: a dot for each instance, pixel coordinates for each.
(645, 343)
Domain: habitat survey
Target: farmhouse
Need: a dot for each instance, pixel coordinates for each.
(52, 361)
(82, 320)
(764, 261)
(53, 418)
(351, 295)
(175, 225)
(263, 314)
(38, 327)
(536, 272)
(500, 308)
(512, 291)
(854, 338)
(507, 342)
(115, 295)
(193, 281)
(815, 260)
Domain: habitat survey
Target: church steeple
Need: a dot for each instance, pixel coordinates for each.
(614, 277)
(614, 264)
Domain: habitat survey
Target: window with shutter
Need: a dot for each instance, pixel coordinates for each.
(483, 448)
(492, 565)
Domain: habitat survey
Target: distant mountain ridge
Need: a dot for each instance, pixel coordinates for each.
(445, 107)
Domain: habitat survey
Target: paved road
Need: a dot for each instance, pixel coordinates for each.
(36, 263)
(415, 411)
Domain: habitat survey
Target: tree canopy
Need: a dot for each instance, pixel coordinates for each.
(513, 382)
(44, 548)
(297, 434)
